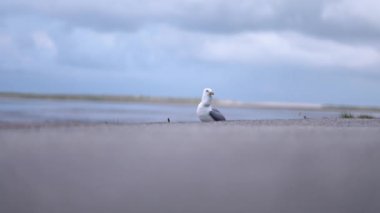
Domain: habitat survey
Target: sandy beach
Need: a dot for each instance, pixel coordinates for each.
(308, 165)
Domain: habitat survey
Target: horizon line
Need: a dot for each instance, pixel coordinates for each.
(185, 101)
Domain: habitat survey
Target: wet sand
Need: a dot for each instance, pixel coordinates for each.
(322, 165)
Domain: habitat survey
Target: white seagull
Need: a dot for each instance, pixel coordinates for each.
(205, 111)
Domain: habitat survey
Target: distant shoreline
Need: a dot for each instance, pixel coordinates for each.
(187, 101)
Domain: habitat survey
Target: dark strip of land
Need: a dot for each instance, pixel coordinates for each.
(187, 101)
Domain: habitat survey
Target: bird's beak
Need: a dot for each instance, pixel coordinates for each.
(211, 93)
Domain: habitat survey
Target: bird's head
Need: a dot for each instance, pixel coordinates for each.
(208, 92)
(207, 96)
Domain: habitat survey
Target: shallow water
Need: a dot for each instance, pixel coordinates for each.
(33, 110)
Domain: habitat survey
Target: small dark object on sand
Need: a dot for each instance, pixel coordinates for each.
(366, 117)
(347, 115)
(168, 120)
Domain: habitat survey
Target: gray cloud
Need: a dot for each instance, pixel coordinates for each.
(330, 19)
(125, 35)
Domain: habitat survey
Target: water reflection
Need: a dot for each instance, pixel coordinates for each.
(28, 110)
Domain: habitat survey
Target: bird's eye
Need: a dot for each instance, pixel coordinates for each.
(207, 90)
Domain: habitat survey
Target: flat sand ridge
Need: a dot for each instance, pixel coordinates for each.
(325, 165)
(327, 122)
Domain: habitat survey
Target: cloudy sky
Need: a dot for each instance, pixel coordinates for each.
(316, 51)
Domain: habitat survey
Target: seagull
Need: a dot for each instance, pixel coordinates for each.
(205, 111)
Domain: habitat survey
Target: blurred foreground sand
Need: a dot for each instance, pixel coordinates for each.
(326, 165)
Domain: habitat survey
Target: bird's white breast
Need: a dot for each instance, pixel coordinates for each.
(204, 113)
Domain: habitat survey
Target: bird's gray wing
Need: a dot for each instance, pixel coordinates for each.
(216, 115)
